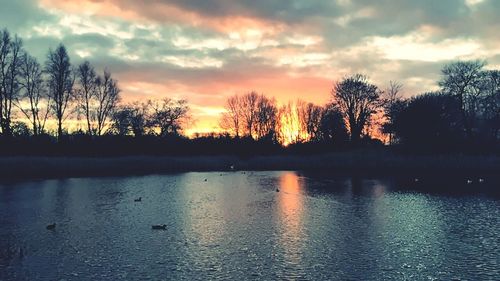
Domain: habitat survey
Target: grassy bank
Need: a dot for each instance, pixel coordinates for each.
(359, 162)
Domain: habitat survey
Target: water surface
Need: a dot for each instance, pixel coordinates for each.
(237, 226)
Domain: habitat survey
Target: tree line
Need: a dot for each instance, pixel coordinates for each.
(58, 90)
(466, 110)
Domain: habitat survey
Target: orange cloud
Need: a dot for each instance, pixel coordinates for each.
(163, 13)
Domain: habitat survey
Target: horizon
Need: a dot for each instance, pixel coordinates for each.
(207, 52)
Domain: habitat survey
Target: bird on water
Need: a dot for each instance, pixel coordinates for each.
(159, 226)
(51, 226)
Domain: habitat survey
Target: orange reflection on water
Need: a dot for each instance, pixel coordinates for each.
(292, 234)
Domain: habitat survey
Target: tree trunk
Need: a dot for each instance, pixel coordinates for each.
(59, 130)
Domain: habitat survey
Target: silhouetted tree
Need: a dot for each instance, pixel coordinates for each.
(432, 119)
(310, 119)
(249, 109)
(491, 103)
(231, 118)
(86, 91)
(34, 93)
(60, 80)
(252, 114)
(168, 115)
(10, 62)
(332, 127)
(357, 100)
(463, 79)
(106, 99)
(267, 114)
(131, 118)
(289, 127)
(392, 104)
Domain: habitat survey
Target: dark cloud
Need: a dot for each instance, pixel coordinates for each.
(142, 51)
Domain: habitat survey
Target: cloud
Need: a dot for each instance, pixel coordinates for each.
(207, 50)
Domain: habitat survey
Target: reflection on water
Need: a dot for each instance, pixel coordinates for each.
(292, 234)
(237, 226)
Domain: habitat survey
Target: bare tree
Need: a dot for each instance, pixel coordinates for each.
(357, 99)
(10, 62)
(391, 103)
(131, 118)
(289, 125)
(266, 120)
(60, 80)
(249, 104)
(252, 114)
(310, 119)
(86, 91)
(463, 79)
(168, 115)
(107, 97)
(231, 118)
(34, 94)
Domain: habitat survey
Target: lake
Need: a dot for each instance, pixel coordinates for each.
(248, 226)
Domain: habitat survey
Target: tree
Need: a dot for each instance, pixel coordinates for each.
(121, 121)
(107, 98)
(289, 129)
(392, 103)
(463, 79)
(60, 80)
(168, 115)
(357, 100)
(10, 62)
(266, 118)
(332, 126)
(248, 111)
(34, 94)
(491, 103)
(309, 119)
(430, 119)
(132, 118)
(231, 118)
(252, 114)
(86, 76)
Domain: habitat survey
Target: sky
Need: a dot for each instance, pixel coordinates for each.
(207, 50)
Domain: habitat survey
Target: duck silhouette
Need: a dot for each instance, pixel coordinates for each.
(138, 199)
(51, 226)
(159, 226)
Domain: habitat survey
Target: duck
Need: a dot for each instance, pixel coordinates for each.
(277, 190)
(51, 226)
(138, 199)
(469, 181)
(205, 180)
(415, 180)
(231, 167)
(481, 180)
(159, 226)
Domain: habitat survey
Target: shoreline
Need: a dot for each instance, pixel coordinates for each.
(344, 163)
